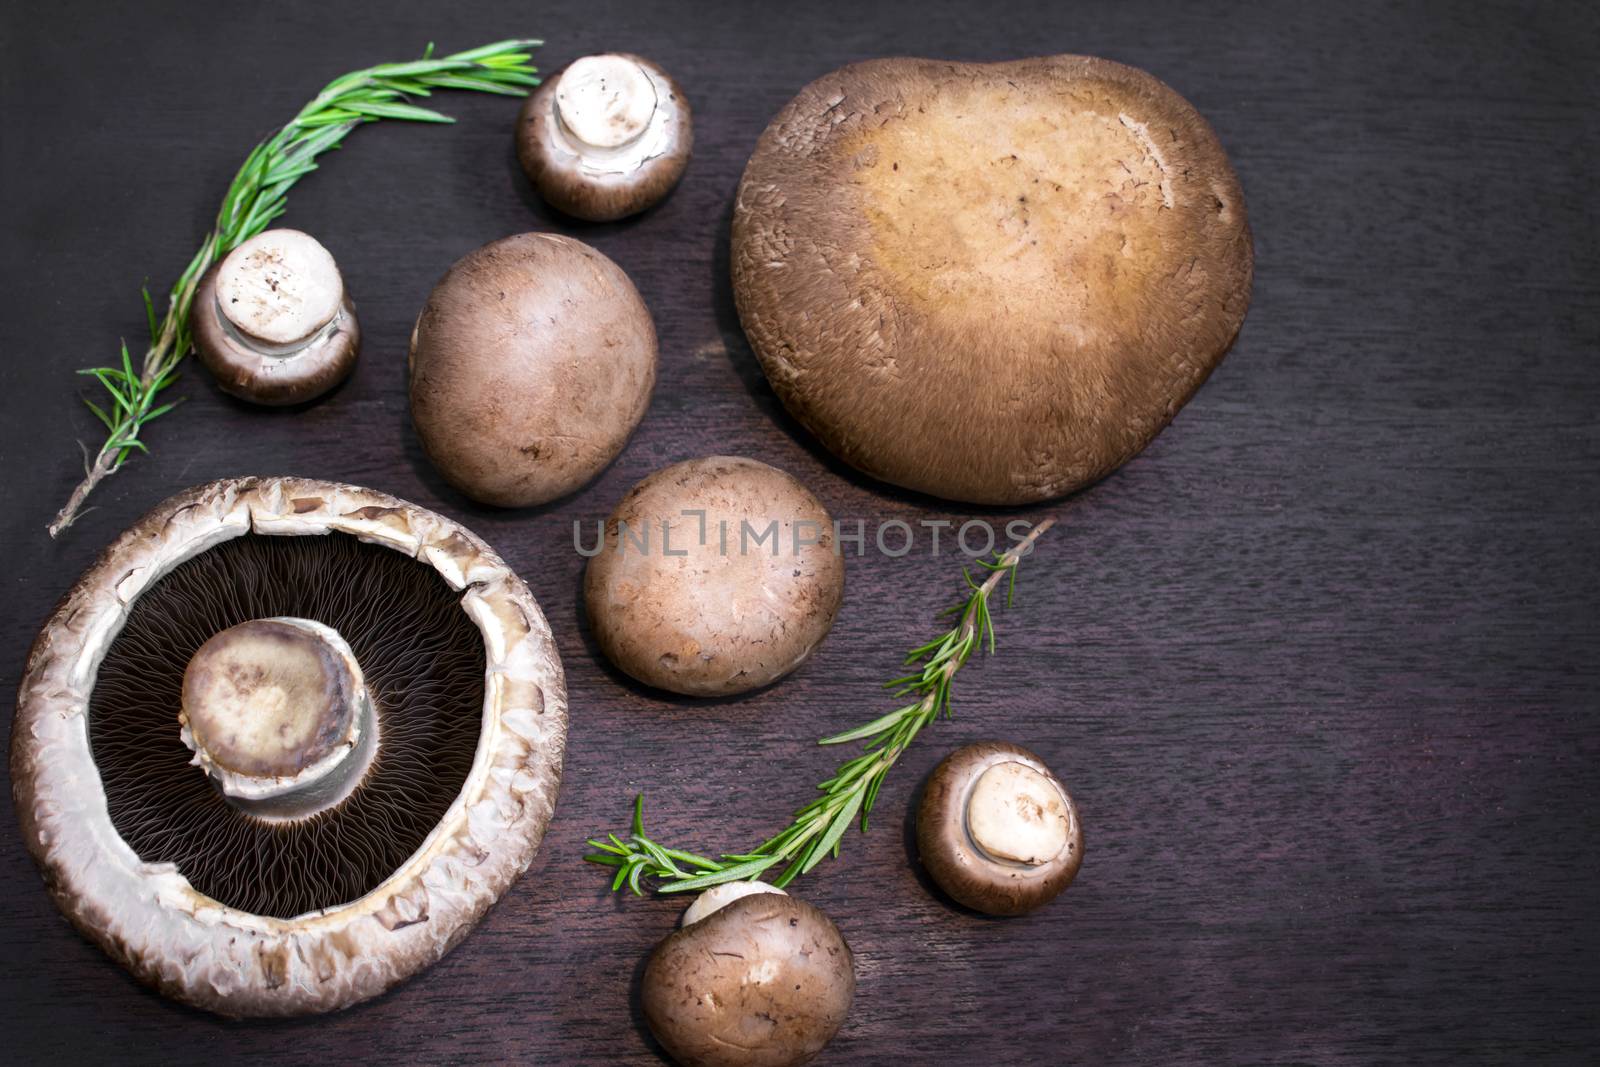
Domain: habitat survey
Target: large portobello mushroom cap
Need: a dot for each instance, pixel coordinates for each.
(995, 283)
(286, 742)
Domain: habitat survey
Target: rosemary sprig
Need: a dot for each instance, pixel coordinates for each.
(257, 197)
(819, 826)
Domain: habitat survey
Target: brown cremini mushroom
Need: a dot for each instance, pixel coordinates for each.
(272, 321)
(531, 364)
(760, 979)
(714, 576)
(997, 831)
(994, 283)
(607, 137)
(286, 742)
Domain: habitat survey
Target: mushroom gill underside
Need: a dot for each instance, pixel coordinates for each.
(424, 663)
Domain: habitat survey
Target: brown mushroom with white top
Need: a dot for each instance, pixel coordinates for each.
(607, 137)
(531, 364)
(994, 283)
(754, 978)
(286, 742)
(997, 831)
(714, 577)
(272, 322)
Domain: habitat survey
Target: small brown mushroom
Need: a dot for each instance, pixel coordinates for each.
(272, 321)
(531, 364)
(763, 980)
(996, 282)
(997, 831)
(714, 577)
(607, 137)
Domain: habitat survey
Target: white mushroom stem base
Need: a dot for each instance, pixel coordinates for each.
(278, 715)
(1017, 815)
(605, 101)
(279, 290)
(607, 114)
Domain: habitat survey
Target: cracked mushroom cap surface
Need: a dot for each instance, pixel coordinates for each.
(993, 283)
(764, 981)
(147, 914)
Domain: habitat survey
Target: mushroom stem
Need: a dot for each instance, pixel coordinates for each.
(237, 334)
(279, 290)
(605, 101)
(278, 715)
(1017, 815)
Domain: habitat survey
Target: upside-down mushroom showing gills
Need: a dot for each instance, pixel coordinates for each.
(605, 138)
(272, 321)
(997, 831)
(285, 743)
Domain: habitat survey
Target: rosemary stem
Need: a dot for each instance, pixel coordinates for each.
(1005, 566)
(156, 362)
(104, 464)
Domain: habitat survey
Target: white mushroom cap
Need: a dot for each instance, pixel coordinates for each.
(605, 101)
(1015, 813)
(279, 287)
(720, 896)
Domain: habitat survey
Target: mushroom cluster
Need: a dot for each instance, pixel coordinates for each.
(288, 740)
(754, 978)
(607, 137)
(285, 743)
(714, 577)
(994, 283)
(272, 321)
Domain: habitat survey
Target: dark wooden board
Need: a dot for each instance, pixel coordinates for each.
(1321, 667)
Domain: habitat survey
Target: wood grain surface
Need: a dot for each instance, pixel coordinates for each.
(1321, 667)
